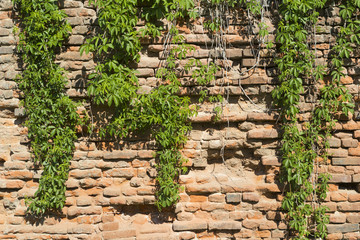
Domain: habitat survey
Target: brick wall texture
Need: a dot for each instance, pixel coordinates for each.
(232, 189)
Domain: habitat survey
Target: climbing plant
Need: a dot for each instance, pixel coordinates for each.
(114, 83)
(162, 110)
(51, 115)
(304, 146)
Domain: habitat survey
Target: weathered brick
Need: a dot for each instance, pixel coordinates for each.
(81, 229)
(112, 191)
(93, 173)
(120, 172)
(234, 53)
(263, 134)
(340, 178)
(338, 152)
(11, 184)
(353, 218)
(20, 174)
(195, 225)
(251, 223)
(356, 178)
(346, 161)
(270, 161)
(337, 218)
(349, 142)
(251, 197)
(224, 225)
(125, 154)
(344, 228)
(349, 207)
(338, 196)
(354, 151)
(354, 197)
(212, 187)
(111, 226)
(84, 201)
(126, 233)
(334, 142)
(267, 225)
(75, 211)
(233, 197)
(217, 197)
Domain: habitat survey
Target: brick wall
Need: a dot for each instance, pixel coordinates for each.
(231, 190)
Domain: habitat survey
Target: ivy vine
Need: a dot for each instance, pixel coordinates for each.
(51, 114)
(304, 146)
(114, 83)
(52, 117)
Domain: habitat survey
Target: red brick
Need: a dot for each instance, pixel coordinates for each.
(338, 196)
(11, 184)
(120, 172)
(238, 215)
(354, 197)
(263, 134)
(340, 178)
(267, 225)
(244, 233)
(198, 198)
(338, 152)
(354, 151)
(81, 229)
(349, 143)
(270, 161)
(263, 234)
(262, 116)
(189, 225)
(23, 156)
(334, 236)
(93, 173)
(111, 226)
(251, 224)
(224, 225)
(250, 197)
(119, 234)
(353, 218)
(19, 174)
(125, 154)
(337, 218)
(349, 207)
(351, 125)
(346, 80)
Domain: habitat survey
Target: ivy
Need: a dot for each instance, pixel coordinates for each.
(51, 115)
(304, 146)
(115, 84)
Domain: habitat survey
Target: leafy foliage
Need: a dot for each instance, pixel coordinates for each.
(51, 115)
(304, 146)
(114, 83)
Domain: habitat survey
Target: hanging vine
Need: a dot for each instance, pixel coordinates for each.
(51, 115)
(304, 146)
(162, 110)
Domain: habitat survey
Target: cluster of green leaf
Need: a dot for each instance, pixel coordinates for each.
(302, 147)
(162, 110)
(51, 115)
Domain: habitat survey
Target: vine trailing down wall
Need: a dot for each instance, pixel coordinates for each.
(162, 110)
(305, 145)
(51, 115)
